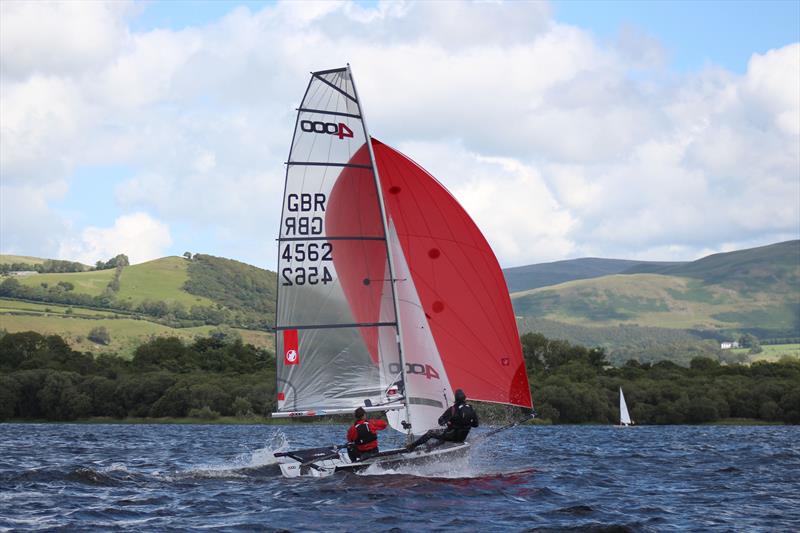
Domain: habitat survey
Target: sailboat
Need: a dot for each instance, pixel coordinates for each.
(389, 297)
(624, 416)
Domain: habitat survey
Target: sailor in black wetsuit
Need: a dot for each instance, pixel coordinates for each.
(458, 419)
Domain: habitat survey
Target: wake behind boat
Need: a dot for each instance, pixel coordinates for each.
(389, 297)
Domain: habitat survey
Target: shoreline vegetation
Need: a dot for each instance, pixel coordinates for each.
(265, 421)
(219, 379)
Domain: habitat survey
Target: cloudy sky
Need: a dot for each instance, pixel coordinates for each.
(566, 129)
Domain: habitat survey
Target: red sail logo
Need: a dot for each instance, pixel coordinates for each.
(291, 355)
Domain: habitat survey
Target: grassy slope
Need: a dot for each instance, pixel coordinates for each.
(647, 300)
(91, 283)
(755, 288)
(773, 352)
(15, 306)
(126, 333)
(774, 267)
(160, 279)
(6, 259)
(544, 274)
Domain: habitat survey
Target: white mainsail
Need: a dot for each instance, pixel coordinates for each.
(327, 309)
(624, 416)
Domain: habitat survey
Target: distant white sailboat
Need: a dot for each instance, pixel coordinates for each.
(624, 416)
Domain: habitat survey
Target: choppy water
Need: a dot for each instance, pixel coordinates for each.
(179, 478)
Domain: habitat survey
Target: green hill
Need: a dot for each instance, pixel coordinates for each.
(92, 283)
(159, 280)
(167, 296)
(773, 268)
(126, 332)
(719, 297)
(544, 274)
(6, 259)
(647, 310)
(245, 289)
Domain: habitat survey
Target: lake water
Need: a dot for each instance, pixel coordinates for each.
(534, 478)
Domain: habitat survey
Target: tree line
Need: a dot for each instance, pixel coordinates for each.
(574, 384)
(41, 377)
(59, 266)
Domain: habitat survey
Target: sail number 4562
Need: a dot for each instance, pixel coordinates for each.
(305, 275)
(311, 251)
(306, 251)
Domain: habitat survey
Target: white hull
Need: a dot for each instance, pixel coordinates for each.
(392, 458)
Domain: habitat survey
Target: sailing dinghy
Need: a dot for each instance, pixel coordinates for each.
(389, 297)
(624, 416)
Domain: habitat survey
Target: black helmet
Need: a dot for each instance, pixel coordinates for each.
(359, 413)
(460, 397)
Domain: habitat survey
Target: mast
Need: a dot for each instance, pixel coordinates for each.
(399, 332)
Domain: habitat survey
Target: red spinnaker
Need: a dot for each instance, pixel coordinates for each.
(457, 276)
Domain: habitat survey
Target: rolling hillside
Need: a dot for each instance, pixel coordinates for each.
(544, 274)
(649, 310)
(6, 259)
(167, 296)
(755, 290)
(773, 268)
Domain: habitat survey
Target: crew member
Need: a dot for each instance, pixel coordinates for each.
(363, 437)
(457, 419)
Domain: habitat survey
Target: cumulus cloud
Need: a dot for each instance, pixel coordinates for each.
(54, 38)
(509, 201)
(138, 235)
(506, 106)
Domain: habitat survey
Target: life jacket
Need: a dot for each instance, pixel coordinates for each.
(462, 417)
(366, 439)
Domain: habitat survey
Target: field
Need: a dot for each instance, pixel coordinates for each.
(11, 259)
(654, 300)
(126, 332)
(92, 283)
(158, 280)
(19, 307)
(772, 352)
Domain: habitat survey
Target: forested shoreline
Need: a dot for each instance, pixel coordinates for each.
(42, 378)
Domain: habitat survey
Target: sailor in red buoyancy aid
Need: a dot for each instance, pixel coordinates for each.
(362, 436)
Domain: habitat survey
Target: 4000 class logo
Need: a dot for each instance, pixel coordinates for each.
(331, 128)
